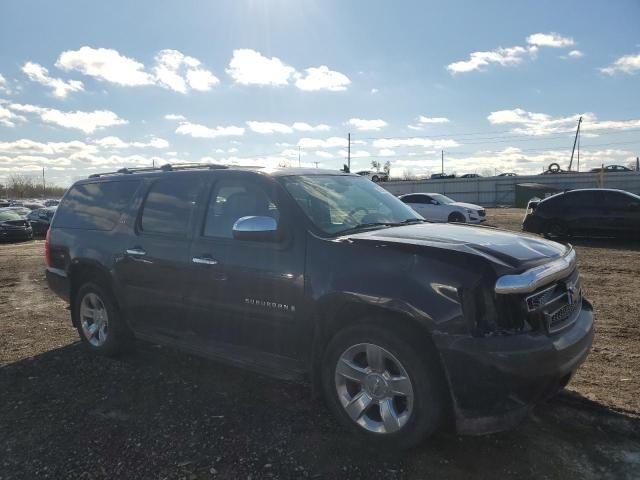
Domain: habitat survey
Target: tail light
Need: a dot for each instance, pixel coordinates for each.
(47, 249)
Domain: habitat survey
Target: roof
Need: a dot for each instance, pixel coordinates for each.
(275, 172)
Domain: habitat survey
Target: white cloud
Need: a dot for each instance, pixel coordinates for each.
(105, 64)
(172, 69)
(249, 67)
(531, 123)
(117, 143)
(355, 153)
(477, 60)
(4, 85)
(178, 72)
(321, 78)
(553, 40)
(575, 54)
(415, 127)
(173, 116)
(9, 118)
(367, 125)
(331, 142)
(27, 146)
(323, 154)
(201, 131)
(511, 55)
(390, 143)
(269, 127)
(386, 152)
(626, 64)
(275, 127)
(61, 88)
(423, 119)
(305, 127)
(88, 122)
(374, 91)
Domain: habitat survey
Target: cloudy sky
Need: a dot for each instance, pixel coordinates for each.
(497, 85)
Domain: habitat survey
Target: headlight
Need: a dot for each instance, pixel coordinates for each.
(471, 212)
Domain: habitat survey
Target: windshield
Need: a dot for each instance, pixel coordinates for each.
(8, 215)
(442, 199)
(336, 203)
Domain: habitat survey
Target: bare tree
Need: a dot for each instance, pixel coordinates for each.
(387, 167)
(375, 164)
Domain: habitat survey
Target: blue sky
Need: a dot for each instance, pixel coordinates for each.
(94, 86)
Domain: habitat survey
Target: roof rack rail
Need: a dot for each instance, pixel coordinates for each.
(163, 168)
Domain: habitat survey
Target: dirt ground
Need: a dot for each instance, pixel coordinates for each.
(157, 413)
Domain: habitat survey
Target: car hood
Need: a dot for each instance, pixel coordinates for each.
(507, 250)
(467, 205)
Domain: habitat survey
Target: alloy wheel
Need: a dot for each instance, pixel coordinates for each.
(94, 319)
(374, 388)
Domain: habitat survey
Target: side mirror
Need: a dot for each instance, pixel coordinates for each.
(257, 228)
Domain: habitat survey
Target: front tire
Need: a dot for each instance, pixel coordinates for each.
(383, 387)
(98, 320)
(375, 179)
(456, 217)
(556, 230)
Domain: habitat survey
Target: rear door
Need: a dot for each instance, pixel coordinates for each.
(240, 292)
(623, 211)
(155, 261)
(582, 211)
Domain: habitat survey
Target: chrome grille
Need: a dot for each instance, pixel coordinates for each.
(557, 304)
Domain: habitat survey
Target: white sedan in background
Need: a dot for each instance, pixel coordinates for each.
(436, 207)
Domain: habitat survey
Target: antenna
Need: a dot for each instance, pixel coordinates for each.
(575, 140)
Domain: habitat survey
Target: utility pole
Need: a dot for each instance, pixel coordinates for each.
(44, 185)
(153, 164)
(316, 164)
(442, 160)
(637, 164)
(349, 152)
(575, 140)
(298, 156)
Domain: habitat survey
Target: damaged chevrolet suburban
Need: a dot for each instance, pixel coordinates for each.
(324, 277)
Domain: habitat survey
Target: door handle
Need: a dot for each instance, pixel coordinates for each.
(204, 260)
(136, 252)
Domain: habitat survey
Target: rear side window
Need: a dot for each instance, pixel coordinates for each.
(169, 205)
(95, 206)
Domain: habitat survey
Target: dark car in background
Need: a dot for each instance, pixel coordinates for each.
(22, 211)
(14, 227)
(612, 169)
(590, 211)
(309, 274)
(40, 219)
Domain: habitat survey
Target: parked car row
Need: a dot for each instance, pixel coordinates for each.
(23, 223)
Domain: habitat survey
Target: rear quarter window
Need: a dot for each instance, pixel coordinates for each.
(95, 206)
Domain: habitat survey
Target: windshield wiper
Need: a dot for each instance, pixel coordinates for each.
(364, 226)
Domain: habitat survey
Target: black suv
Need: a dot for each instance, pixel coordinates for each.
(587, 211)
(324, 277)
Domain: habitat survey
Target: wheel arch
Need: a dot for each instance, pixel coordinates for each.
(337, 312)
(82, 271)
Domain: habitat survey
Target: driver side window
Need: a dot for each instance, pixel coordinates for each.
(233, 199)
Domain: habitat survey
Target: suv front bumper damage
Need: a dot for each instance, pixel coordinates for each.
(496, 380)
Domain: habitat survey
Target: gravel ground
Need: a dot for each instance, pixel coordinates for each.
(158, 413)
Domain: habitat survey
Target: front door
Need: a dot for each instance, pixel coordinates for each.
(240, 292)
(155, 262)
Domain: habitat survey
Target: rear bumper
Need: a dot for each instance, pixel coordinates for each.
(495, 381)
(58, 282)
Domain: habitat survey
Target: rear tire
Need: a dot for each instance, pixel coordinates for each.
(382, 387)
(456, 217)
(98, 320)
(375, 179)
